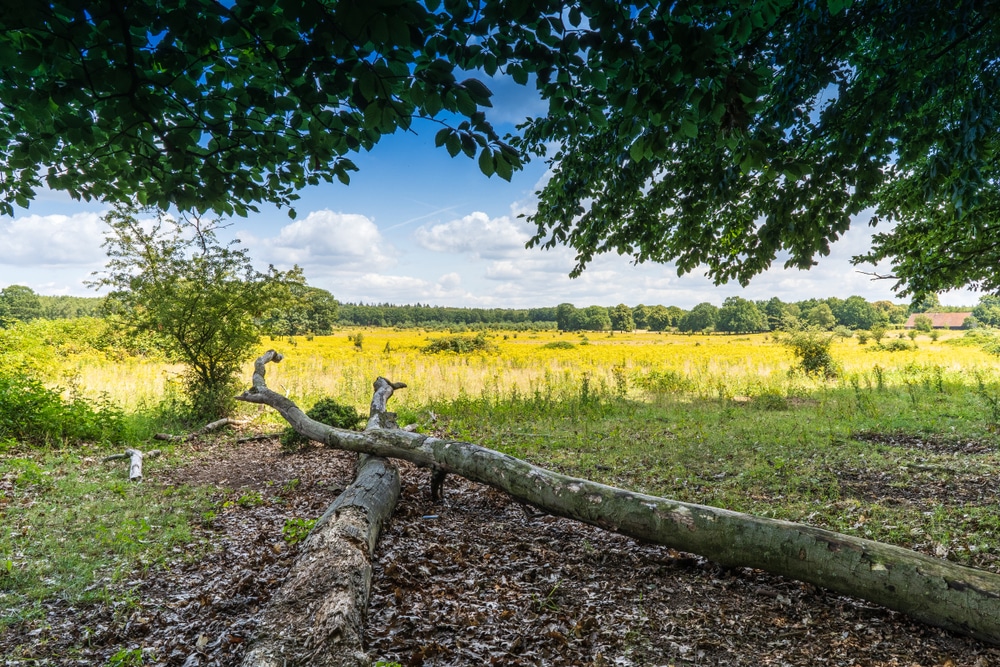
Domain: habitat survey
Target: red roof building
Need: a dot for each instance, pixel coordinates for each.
(939, 320)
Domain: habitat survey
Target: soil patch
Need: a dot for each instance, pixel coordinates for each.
(929, 443)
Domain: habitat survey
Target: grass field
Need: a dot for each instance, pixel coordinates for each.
(900, 447)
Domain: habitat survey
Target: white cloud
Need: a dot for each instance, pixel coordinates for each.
(477, 235)
(450, 281)
(50, 240)
(325, 241)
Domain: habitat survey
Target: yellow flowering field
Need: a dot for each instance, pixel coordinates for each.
(556, 363)
(626, 363)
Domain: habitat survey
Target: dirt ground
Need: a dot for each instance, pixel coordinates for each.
(474, 580)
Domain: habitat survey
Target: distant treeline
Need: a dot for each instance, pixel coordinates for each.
(388, 315)
(312, 310)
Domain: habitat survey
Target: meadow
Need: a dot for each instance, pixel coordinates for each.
(901, 446)
(897, 447)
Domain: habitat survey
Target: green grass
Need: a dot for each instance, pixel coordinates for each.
(848, 457)
(75, 527)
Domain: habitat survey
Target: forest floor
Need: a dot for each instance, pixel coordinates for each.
(473, 580)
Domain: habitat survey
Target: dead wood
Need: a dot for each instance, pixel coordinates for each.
(135, 461)
(961, 599)
(317, 617)
(207, 428)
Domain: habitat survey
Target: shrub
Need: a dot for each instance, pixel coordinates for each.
(664, 382)
(812, 349)
(31, 412)
(326, 411)
(770, 399)
(897, 346)
(460, 344)
(559, 345)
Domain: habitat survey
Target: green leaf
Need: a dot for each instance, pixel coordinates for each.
(453, 144)
(487, 162)
(837, 6)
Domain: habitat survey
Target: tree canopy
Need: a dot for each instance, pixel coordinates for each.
(721, 135)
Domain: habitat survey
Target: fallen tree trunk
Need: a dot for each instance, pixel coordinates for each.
(317, 617)
(940, 593)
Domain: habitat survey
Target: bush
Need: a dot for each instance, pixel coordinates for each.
(559, 345)
(31, 412)
(897, 346)
(460, 344)
(326, 411)
(812, 349)
(770, 399)
(664, 382)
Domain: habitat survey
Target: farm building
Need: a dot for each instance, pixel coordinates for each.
(939, 320)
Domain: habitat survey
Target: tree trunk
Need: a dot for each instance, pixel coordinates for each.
(957, 598)
(317, 616)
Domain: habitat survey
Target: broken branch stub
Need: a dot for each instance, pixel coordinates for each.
(135, 461)
(961, 599)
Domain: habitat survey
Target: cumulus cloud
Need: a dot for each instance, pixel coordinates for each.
(328, 239)
(476, 234)
(50, 240)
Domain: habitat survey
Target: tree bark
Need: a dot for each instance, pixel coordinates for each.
(317, 616)
(960, 599)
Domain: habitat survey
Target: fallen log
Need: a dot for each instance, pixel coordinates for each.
(207, 428)
(135, 461)
(937, 592)
(317, 616)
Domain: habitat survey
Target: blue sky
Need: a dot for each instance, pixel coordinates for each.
(416, 225)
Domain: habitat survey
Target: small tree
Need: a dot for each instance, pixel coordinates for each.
(18, 302)
(621, 318)
(173, 278)
(812, 349)
(923, 324)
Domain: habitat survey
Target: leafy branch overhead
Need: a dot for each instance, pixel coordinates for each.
(723, 135)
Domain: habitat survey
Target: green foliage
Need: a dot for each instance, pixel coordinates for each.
(126, 658)
(460, 344)
(664, 382)
(738, 315)
(857, 313)
(770, 400)
(19, 303)
(702, 317)
(987, 312)
(812, 349)
(732, 159)
(725, 150)
(307, 311)
(821, 317)
(897, 345)
(297, 530)
(559, 345)
(223, 106)
(31, 412)
(660, 318)
(621, 318)
(172, 278)
(326, 411)
(923, 323)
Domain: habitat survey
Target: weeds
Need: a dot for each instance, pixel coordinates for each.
(297, 530)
